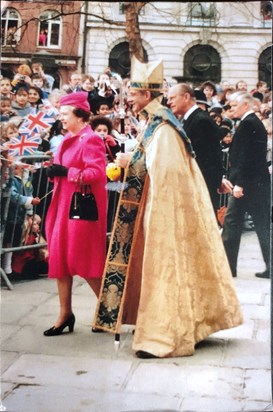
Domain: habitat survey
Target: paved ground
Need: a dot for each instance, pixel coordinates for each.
(81, 372)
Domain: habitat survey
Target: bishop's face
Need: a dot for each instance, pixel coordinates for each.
(138, 99)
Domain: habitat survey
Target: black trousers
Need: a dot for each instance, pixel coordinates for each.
(256, 201)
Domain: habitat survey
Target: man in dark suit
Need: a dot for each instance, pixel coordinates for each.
(248, 181)
(204, 135)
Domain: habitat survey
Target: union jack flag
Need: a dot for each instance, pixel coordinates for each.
(24, 144)
(38, 122)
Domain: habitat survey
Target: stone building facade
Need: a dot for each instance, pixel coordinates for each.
(197, 41)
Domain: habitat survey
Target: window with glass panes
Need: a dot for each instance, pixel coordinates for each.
(50, 29)
(10, 21)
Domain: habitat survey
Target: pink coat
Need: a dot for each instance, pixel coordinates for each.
(78, 246)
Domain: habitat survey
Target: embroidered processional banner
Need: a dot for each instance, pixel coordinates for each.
(108, 313)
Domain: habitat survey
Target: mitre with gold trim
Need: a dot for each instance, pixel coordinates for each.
(146, 76)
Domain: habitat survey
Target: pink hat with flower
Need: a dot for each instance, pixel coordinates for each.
(76, 99)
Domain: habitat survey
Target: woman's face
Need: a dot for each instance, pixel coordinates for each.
(33, 96)
(69, 120)
(208, 92)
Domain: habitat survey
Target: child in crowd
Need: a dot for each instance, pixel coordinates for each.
(21, 201)
(226, 133)
(103, 127)
(56, 135)
(39, 81)
(216, 114)
(103, 108)
(5, 87)
(21, 103)
(32, 262)
(22, 77)
(10, 130)
(49, 80)
(6, 111)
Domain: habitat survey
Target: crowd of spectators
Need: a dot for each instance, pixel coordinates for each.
(31, 90)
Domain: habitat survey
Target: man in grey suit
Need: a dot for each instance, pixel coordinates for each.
(248, 182)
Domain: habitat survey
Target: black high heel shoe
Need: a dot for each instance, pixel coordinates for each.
(69, 322)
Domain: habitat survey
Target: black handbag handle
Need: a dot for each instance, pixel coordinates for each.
(83, 185)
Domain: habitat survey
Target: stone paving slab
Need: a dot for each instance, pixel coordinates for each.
(205, 404)
(77, 372)
(257, 385)
(248, 354)
(229, 371)
(71, 399)
(79, 344)
(189, 381)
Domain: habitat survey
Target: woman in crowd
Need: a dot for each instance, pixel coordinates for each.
(76, 246)
(35, 97)
(209, 88)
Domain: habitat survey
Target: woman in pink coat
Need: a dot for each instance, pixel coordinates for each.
(76, 247)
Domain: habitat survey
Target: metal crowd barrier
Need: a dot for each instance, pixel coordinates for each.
(41, 189)
(36, 177)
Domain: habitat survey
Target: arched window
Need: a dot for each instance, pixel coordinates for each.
(265, 66)
(50, 29)
(201, 63)
(119, 59)
(10, 21)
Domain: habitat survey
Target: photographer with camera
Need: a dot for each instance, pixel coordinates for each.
(104, 93)
(22, 77)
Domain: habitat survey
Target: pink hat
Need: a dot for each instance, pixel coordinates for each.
(76, 99)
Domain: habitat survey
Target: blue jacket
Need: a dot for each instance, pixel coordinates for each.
(21, 196)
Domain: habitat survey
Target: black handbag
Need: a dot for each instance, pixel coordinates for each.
(83, 205)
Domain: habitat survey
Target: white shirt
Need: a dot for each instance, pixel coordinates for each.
(190, 111)
(246, 114)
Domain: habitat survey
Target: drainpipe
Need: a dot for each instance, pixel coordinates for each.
(85, 32)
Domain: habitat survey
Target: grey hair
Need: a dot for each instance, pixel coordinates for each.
(242, 97)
